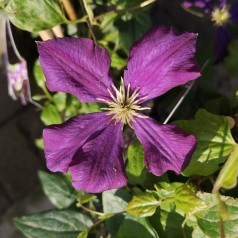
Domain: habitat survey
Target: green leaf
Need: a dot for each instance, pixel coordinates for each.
(59, 100)
(131, 30)
(34, 15)
(57, 223)
(39, 143)
(227, 177)
(83, 234)
(89, 107)
(197, 233)
(143, 205)
(50, 115)
(168, 222)
(39, 75)
(187, 201)
(117, 61)
(72, 106)
(58, 189)
(83, 197)
(135, 227)
(167, 190)
(135, 169)
(3, 3)
(209, 220)
(115, 201)
(214, 142)
(169, 218)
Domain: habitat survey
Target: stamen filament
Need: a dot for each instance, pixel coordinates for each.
(124, 106)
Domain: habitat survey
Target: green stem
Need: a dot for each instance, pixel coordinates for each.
(100, 221)
(47, 94)
(80, 20)
(91, 211)
(83, 4)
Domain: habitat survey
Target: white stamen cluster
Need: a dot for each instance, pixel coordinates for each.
(221, 16)
(124, 106)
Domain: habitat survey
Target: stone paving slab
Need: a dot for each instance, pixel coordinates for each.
(20, 192)
(5, 200)
(18, 163)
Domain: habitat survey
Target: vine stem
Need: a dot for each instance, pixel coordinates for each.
(100, 221)
(91, 211)
(83, 5)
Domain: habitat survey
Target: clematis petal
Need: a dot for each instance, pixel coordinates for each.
(234, 13)
(166, 146)
(62, 141)
(222, 39)
(76, 66)
(161, 60)
(98, 165)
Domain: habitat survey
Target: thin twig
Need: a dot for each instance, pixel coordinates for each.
(184, 95)
(13, 42)
(84, 9)
(91, 211)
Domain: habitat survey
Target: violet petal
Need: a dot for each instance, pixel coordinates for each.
(62, 141)
(222, 3)
(98, 165)
(166, 147)
(76, 66)
(161, 60)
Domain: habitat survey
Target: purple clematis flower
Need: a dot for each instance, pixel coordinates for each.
(91, 146)
(221, 14)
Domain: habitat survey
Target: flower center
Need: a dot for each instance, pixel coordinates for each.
(221, 16)
(124, 106)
